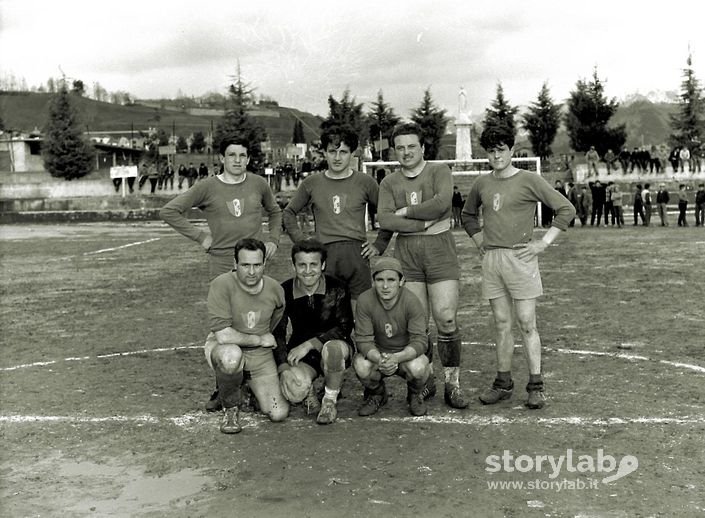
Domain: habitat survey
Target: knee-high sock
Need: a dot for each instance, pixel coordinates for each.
(449, 348)
(229, 388)
(429, 351)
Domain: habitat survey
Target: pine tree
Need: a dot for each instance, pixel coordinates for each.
(181, 144)
(501, 112)
(298, 136)
(381, 121)
(237, 123)
(346, 113)
(589, 113)
(433, 122)
(689, 124)
(199, 141)
(542, 122)
(66, 154)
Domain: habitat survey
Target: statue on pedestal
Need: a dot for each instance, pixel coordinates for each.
(463, 111)
(463, 126)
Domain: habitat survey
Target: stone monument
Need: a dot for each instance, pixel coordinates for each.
(463, 127)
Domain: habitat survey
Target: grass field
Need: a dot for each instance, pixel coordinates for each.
(102, 384)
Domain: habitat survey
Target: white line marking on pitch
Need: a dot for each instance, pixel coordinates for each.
(624, 356)
(100, 356)
(122, 246)
(201, 420)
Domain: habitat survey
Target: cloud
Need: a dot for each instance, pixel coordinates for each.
(300, 53)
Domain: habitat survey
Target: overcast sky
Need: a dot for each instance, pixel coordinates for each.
(301, 52)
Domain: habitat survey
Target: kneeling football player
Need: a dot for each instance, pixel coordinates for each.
(244, 306)
(390, 334)
(319, 309)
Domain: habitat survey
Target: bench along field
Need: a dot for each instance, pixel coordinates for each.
(103, 381)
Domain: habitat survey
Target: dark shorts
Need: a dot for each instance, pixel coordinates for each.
(345, 262)
(428, 259)
(218, 264)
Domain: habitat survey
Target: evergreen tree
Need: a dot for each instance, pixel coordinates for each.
(181, 144)
(433, 122)
(346, 112)
(589, 113)
(298, 136)
(66, 154)
(500, 112)
(381, 121)
(199, 142)
(78, 88)
(155, 138)
(689, 123)
(542, 122)
(237, 123)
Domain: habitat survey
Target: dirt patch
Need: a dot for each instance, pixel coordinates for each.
(87, 431)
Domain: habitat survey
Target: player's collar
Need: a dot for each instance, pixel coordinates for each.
(298, 291)
(255, 290)
(222, 177)
(348, 174)
(413, 173)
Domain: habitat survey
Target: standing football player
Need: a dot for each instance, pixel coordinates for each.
(510, 269)
(416, 203)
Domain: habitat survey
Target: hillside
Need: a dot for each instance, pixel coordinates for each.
(26, 111)
(646, 122)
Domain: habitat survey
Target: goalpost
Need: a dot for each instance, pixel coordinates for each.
(465, 171)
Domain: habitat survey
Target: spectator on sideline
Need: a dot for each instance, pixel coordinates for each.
(682, 206)
(610, 159)
(646, 198)
(599, 196)
(700, 206)
(638, 205)
(662, 199)
(592, 158)
(617, 205)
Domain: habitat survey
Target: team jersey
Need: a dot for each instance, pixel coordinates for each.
(390, 330)
(324, 315)
(508, 208)
(427, 196)
(338, 207)
(229, 305)
(233, 212)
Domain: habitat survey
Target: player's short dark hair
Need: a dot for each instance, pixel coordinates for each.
(250, 244)
(309, 246)
(237, 140)
(340, 135)
(408, 128)
(647, 185)
(495, 135)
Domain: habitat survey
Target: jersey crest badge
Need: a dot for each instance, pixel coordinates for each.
(251, 319)
(337, 204)
(236, 207)
(497, 202)
(414, 198)
(388, 330)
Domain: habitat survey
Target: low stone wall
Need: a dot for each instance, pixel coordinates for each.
(38, 197)
(50, 216)
(41, 185)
